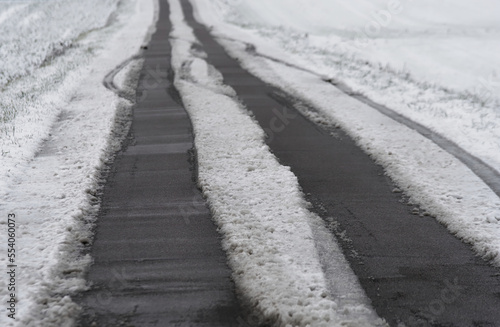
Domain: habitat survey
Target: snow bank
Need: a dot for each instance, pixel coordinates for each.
(436, 181)
(66, 128)
(258, 206)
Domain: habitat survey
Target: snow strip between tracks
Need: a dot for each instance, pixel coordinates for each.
(268, 233)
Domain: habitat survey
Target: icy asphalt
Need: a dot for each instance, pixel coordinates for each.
(162, 264)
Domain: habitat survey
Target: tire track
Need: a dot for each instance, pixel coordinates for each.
(414, 271)
(489, 175)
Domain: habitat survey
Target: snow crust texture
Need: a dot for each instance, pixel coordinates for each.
(257, 204)
(34, 33)
(63, 130)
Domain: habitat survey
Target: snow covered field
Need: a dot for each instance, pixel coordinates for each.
(58, 126)
(453, 44)
(322, 39)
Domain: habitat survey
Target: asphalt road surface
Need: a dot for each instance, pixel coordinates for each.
(158, 259)
(414, 271)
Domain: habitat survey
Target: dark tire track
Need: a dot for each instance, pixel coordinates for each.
(157, 255)
(109, 79)
(414, 271)
(489, 175)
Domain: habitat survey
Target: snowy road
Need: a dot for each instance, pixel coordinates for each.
(157, 258)
(466, 205)
(327, 210)
(401, 259)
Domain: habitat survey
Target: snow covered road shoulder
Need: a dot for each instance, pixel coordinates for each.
(262, 216)
(51, 184)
